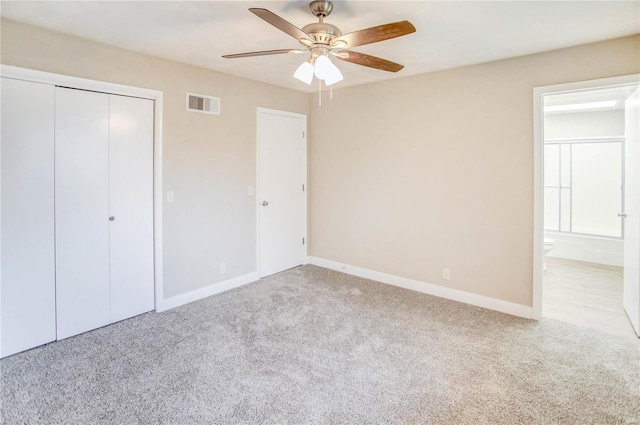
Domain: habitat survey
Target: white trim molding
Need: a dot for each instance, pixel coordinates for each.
(427, 288)
(538, 168)
(207, 291)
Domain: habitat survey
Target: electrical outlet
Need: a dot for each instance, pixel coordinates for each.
(169, 196)
(223, 268)
(251, 191)
(445, 274)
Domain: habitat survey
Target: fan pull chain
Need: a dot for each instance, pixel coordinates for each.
(331, 92)
(319, 92)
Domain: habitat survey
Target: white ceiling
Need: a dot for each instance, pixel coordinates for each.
(449, 33)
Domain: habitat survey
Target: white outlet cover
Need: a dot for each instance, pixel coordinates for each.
(170, 198)
(251, 191)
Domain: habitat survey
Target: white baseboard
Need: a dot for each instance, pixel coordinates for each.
(207, 291)
(428, 288)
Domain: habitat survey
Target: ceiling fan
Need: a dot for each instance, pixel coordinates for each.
(321, 40)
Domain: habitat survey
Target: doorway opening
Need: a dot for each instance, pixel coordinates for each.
(587, 241)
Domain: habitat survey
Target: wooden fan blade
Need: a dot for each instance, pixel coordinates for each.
(261, 53)
(371, 61)
(375, 34)
(280, 23)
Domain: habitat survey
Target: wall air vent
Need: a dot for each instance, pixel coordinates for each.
(203, 104)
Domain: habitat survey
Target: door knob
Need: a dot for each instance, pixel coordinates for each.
(623, 215)
(112, 218)
(265, 203)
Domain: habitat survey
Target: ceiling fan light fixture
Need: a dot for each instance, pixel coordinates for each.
(333, 76)
(322, 67)
(304, 73)
(322, 39)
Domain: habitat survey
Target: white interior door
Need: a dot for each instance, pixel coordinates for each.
(281, 156)
(131, 206)
(631, 288)
(28, 262)
(81, 208)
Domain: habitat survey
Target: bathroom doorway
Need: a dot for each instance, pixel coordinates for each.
(587, 146)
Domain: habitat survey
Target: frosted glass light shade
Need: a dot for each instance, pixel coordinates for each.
(304, 73)
(333, 76)
(323, 67)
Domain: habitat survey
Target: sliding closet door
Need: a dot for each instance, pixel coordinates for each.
(82, 220)
(28, 285)
(131, 206)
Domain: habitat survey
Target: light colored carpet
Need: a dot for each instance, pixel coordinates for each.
(315, 346)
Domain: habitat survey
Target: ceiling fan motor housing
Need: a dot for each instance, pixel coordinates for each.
(322, 32)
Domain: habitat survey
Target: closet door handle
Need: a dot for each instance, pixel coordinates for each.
(112, 218)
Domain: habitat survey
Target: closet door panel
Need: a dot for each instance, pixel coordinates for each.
(131, 205)
(82, 213)
(28, 264)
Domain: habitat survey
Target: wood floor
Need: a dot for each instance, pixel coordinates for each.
(585, 294)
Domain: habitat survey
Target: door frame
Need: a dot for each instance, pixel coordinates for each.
(25, 74)
(538, 169)
(261, 110)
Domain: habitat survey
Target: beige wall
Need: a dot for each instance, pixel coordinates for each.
(209, 161)
(435, 171)
(406, 177)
